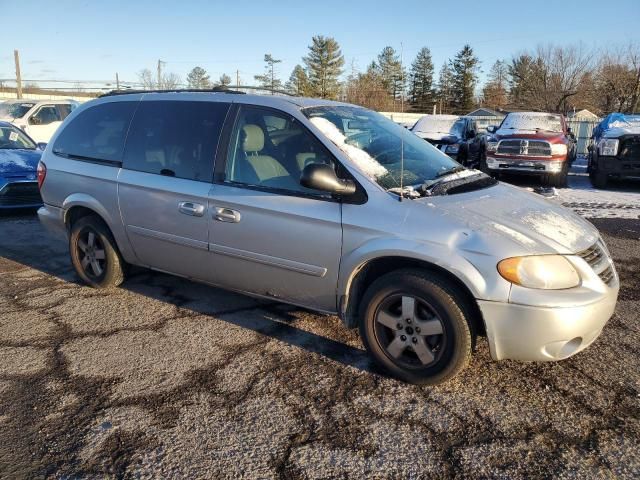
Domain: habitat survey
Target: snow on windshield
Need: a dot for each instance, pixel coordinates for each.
(433, 124)
(532, 121)
(368, 165)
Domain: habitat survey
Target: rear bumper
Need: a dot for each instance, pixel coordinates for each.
(52, 218)
(524, 165)
(529, 333)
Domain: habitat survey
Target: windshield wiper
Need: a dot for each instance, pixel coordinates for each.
(452, 170)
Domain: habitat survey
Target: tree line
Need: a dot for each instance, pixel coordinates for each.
(549, 78)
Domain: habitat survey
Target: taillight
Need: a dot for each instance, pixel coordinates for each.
(42, 173)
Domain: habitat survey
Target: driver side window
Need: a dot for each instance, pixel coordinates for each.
(45, 115)
(271, 149)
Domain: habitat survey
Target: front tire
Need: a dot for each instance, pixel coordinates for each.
(94, 253)
(417, 326)
(598, 179)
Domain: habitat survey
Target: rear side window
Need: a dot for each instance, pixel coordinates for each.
(98, 133)
(175, 138)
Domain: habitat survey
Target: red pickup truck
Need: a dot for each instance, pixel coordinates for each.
(534, 143)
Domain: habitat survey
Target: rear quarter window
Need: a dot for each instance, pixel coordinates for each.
(175, 138)
(98, 133)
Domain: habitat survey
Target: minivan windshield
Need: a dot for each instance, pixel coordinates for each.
(378, 146)
(14, 109)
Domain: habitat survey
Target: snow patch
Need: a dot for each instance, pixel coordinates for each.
(362, 160)
(554, 226)
(517, 236)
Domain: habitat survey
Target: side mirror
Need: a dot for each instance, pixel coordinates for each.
(42, 145)
(320, 176)
(492, 129)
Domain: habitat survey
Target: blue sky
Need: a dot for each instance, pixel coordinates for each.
(90, 40)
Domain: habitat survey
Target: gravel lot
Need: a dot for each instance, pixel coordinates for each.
(164, 377)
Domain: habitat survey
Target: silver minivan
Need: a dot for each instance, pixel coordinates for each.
(331, 207)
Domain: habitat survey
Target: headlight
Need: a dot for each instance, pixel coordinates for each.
(548, 272)
(492, 146)
(453, 148)
(609, 147)
(558, 149)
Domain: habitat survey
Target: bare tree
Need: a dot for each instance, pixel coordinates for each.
(168, 81)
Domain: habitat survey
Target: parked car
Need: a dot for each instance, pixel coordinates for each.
(532, 143)
(456, 136)
(38, 118)
(616, 149)
(300, 200)
(19, 156)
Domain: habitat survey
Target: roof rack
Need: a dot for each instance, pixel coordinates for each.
(174, 90)
(199, 90)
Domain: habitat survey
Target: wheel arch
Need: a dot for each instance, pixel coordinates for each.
(364, 275)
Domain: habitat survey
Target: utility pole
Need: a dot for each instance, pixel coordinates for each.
(117, 82)
(237, 78)
(401, 80)
(16, 57)
(159, 74)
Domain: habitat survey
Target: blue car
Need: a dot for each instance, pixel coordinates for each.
(19, 157)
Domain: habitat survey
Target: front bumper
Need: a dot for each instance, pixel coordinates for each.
(530, 333)
(19, 194)
(624, 167)
(524, 165)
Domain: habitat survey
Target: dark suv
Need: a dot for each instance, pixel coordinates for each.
(456, 136)
(616, 149)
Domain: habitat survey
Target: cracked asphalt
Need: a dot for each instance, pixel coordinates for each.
(168, 378)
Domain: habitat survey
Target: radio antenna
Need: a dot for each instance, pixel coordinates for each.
(402, 137)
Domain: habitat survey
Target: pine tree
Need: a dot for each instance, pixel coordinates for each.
(198, 78)
(444, 94)
(298, 83)
(324, 66)
(421, 94)
(465, 66)
(269, 79)
(391, 71)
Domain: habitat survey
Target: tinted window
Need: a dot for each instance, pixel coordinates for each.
(175, 138)
(64, 110)
(45, 115)
(270, 150)
(98, 132)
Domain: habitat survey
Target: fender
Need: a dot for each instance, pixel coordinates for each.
(433, 253)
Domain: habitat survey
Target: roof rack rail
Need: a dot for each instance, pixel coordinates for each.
(173, 90)
(200, 90)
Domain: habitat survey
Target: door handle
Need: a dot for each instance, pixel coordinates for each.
(226, 215)
(191, 208)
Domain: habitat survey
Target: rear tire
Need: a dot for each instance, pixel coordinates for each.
(94, 253)
(417, 326)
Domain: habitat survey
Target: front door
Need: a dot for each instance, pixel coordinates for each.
(164, 184)
(268, 234)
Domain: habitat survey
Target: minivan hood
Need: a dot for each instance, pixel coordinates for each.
(19, 161)
(518, 216)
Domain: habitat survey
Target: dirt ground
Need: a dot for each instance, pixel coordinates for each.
(167, 378)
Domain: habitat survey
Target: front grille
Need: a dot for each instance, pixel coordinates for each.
(22, 193)
(596, 257)
(532, 148)
(630, 149)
